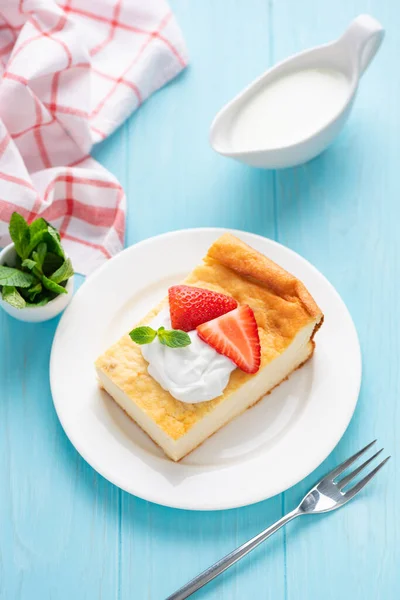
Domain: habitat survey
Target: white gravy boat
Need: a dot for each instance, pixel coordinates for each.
(347, 57)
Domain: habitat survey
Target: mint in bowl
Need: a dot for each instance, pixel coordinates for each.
(36, 276)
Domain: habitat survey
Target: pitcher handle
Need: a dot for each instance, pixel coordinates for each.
(363, 38)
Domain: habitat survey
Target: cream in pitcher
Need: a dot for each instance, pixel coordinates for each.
(290, 109)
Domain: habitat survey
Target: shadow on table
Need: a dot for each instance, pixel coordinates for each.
(319, 189)
(282, 204)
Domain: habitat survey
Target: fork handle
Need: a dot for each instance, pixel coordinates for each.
(230, 559)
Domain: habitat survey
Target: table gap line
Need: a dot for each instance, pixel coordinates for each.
(276, 237)
(119, 543)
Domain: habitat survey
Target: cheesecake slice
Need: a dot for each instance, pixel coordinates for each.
(287, 319)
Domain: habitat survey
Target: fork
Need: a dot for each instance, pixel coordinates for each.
(327, 495)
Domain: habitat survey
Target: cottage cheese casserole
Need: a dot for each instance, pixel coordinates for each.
(285, 317)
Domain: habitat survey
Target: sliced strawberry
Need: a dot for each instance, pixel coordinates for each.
(235, 335)
(191, 306)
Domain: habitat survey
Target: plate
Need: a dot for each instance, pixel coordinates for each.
(261, 453)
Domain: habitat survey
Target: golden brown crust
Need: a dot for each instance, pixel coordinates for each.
(234, 254)
(282, 307)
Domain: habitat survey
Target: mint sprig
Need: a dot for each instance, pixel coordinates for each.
(173, 338)
(41, 269)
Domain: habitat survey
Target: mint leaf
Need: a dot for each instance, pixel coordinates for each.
(39, 255)
(160, 332)
(41, 231)
(11, 295)
(54, 231)
(36, 226)
(28, 263)
(13, 277)
(143, 335)
(33, 265)
(19, 232)
(36, 262)
(37, 230)
(174, 338)
(33, 291)
(51, 263)
(64, 272)
(42, 302)
(52, 238)
(52, 286)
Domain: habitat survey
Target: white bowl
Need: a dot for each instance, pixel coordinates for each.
(39, 313)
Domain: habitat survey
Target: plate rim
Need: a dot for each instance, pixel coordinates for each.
(253, 498)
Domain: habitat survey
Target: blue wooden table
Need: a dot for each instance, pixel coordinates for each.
(66, 533)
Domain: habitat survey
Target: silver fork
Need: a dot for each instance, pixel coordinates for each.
(327, 495)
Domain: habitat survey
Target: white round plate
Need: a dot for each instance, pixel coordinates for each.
(261, 453)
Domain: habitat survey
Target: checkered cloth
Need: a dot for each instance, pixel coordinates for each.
(70, 74)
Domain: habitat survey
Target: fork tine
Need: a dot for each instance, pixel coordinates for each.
(346, 480)
(346, 464)
(359, 486)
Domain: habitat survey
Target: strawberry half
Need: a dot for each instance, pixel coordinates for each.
(235, 335)
(191, 306)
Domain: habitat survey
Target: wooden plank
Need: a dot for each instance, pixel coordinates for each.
(59, 520)
(177, 181)
(341, 212)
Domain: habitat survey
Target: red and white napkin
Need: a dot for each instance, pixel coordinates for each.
(71, 72)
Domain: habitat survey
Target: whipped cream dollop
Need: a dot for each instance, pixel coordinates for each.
(195, 373)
